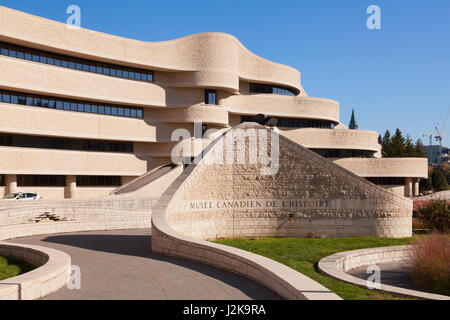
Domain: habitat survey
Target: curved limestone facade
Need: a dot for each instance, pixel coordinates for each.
(142, 93)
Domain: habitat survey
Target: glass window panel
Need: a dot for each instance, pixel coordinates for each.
(66, 105)
(73, 106)
(127, 112)
(143, 77)
(138, 76)
(14, 99)
(114, 111)
(36, 58)
(59, 104)
(13, 53)
(20, 55)
(4, 52)
(79, 66)
(125, 74)
(28, 56)
(45, 103)
(92, 68)
(58, 62)
(119, 73)
(29, 101)
(99, 69)
(52, 104)
(22, 100)
(106, 71)
(71, 65)
(87, 108)
(65, 63)
(107, 110)
(94, 108)
(101, 109)
(120, 111)
(6, 98)
(80, 107)
(139, 113)
(112, 72)
(50, 61)
(131, 75)
(43, 59)
(133, 113)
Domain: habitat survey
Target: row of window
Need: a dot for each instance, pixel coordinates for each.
(266, 88)
(344, 153)
(60, 181)
(22, 141)
(295, 123)
(387, 181)
(64, 61)
(69, 105)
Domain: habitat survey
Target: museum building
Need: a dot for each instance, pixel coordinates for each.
(84, 113)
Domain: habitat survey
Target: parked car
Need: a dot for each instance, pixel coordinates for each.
(23, 196)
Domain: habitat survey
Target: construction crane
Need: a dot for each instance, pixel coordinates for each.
(439, 136)
(431, 138)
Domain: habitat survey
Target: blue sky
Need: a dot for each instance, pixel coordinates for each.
(398, 76)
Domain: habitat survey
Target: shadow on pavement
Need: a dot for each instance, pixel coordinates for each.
(140, 246)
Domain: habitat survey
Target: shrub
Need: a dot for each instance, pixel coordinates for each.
(430, 261)
(435, 216)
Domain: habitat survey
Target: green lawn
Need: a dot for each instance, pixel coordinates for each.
(10, 268)
(304, 254)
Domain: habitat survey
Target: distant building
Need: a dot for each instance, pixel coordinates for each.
(433, 154)
(353, 124)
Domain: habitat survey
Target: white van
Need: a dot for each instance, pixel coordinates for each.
(23, 196)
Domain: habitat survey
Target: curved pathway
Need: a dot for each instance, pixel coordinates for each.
(121, 265)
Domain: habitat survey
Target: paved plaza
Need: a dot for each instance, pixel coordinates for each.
(120, 265)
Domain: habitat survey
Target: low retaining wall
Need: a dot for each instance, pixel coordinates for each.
(52, 273)
(338, 264)
(28, 219)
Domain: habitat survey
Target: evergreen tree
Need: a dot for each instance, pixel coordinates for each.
(439, 181)
(420, 151)
(397, 145)
(386, 144)
(410, 150)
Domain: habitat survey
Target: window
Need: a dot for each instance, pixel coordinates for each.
(210, 97)
(2, 180)
(62, 104)
(98, 181)
(40, 181)
(265, 88)
(8, 140)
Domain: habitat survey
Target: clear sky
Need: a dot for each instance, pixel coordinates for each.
(398, 76)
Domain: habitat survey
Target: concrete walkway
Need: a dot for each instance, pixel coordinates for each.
(120, 265)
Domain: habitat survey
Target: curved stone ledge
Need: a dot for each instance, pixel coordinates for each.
(207, 59)
(386, 167)
(52, 273)
(338, 264)
(312, 138)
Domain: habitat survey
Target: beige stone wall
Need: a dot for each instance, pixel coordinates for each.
(312, 138)
(386, 167)
(342, 204)
(65, 162)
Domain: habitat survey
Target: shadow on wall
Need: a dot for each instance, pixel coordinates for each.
(140, 246)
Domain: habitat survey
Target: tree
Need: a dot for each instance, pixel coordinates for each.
(386, 144)
(420, 151)
(445, 168)
(398, 145)
(438, 180)
(410, 150)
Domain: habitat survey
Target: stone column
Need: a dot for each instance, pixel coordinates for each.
(408, 187)
(11, 183)
(71, 187)
(416, 187)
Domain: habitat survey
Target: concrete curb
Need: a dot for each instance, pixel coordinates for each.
(52, 273)
(337, 264)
